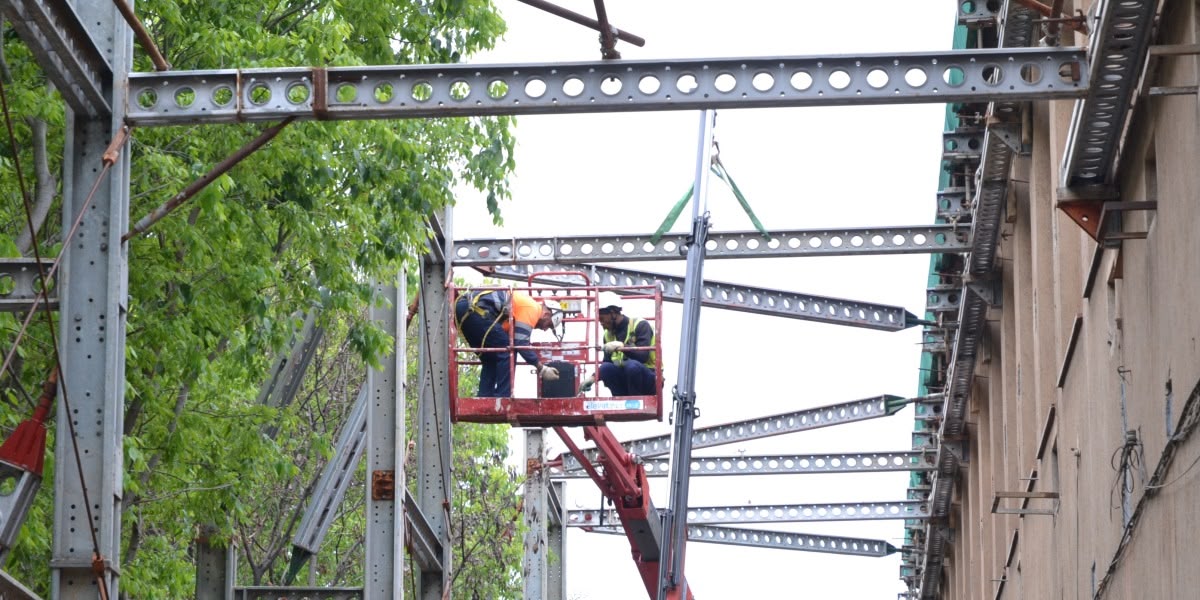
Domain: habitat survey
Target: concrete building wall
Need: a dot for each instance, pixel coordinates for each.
(1105, 340)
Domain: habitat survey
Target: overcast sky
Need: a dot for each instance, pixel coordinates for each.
(799, 169)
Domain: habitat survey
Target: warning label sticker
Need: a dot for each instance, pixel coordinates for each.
(612, 405)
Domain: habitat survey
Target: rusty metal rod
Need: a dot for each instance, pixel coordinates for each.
(194, 188)
(143, 36)
(588, 22)
(1074, 23)
(608, 44)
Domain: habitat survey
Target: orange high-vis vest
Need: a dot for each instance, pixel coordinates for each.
(524, 311)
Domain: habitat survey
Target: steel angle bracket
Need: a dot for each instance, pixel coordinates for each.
(730, 296)
(988, 290)
(1010, 134)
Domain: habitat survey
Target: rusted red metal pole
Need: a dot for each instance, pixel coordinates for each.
(575, 17)
(143, 36)
(193, 188)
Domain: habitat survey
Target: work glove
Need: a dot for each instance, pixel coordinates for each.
(548, 373)
(587, 384)
(613, 346)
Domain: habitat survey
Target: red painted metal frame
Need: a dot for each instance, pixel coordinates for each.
(623, 482)
(582, 409)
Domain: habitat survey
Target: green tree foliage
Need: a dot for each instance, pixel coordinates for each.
(215, 289)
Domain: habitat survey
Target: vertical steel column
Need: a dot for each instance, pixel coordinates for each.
(384, 576)
(535, 510)
(556, 540)
(214, 575)
(92, 312)
(670, 573)
(433, 415)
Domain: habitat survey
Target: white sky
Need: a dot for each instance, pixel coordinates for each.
(799, 169)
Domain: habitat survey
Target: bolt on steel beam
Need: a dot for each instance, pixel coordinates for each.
(779, 540)
(730, 296)
(773, 513)
(446, 90)
(783, 464)
(761, 427)
(921, 239)
(66, 52)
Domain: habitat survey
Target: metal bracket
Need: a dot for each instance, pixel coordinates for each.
(1024, 510)
(987, 290)
(1010, 134)
(964, 144)
(383, 485)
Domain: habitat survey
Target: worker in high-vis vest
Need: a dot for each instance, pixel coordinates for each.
(626, 372)
(500, 319)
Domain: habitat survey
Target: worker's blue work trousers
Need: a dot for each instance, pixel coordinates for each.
(495, 375)
(630, 378)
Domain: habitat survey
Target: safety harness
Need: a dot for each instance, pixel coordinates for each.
(489, 304)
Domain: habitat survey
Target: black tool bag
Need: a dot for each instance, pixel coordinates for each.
(564, 386)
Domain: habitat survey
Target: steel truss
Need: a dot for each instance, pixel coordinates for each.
(780, 540)
(782, 464)
(847, 241)
(758, 428)
(64, 47)
(410, 91)
(74, 43)
(773, 513)
(732, 296)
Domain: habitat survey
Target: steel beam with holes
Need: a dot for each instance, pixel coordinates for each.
(730, 296)
(761, 427)
(774, 513)
(784, 464)
(392, 92)
(921, 239)
(1016, 32)
(779, 540)
(20, 276)
(1118, 48)
(65, 51)
(263, 592)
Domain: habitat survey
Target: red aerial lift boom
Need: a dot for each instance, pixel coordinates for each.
(622, 480)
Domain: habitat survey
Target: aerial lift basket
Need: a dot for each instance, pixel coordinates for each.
(575, 351)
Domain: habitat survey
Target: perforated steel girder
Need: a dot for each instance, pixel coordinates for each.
(381, 92)
(783, 464)
(65, 51)
(730, 296)
(21, 277)
(1016, 31)
(1118, 49)
(920, 239)
(774, 513)
(779, 540)
(761, 427)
